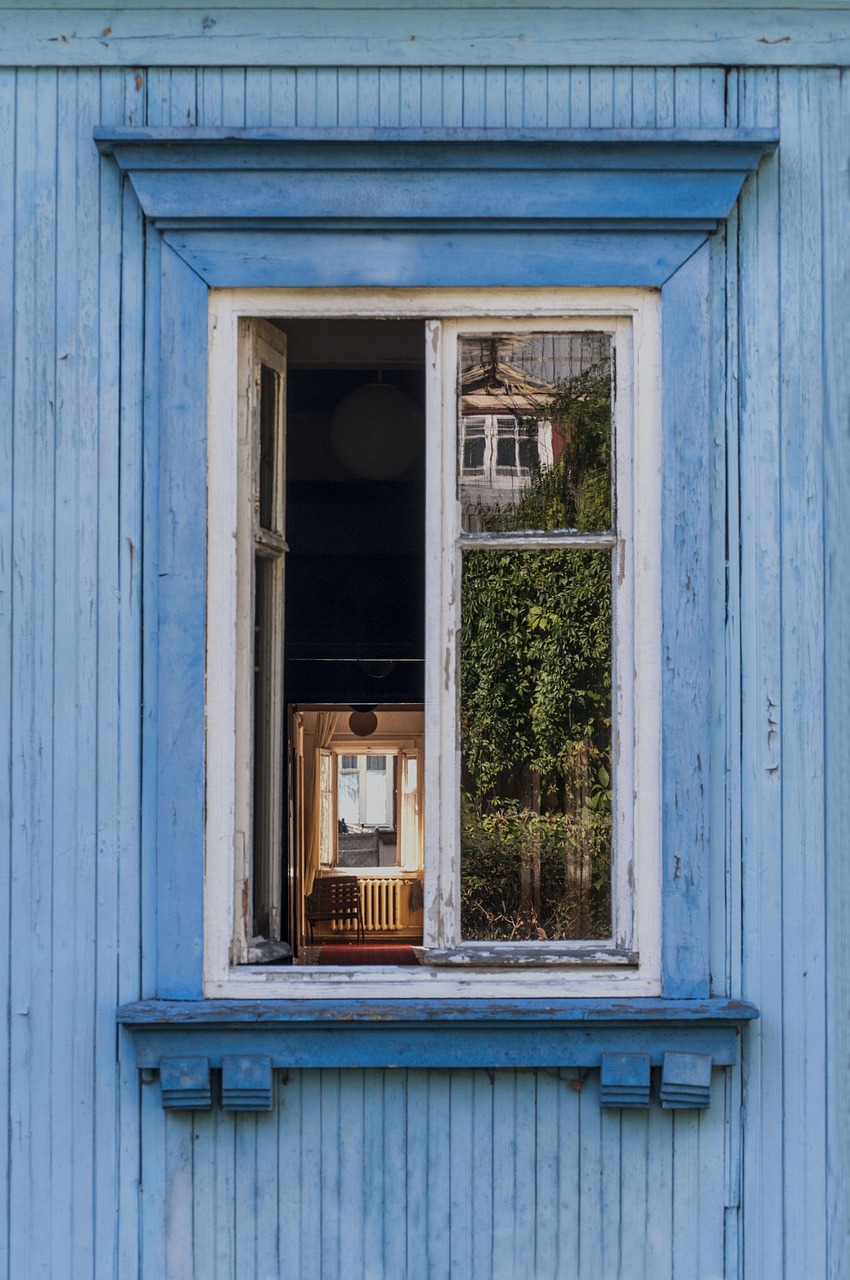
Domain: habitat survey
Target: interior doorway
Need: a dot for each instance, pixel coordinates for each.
(354, 631)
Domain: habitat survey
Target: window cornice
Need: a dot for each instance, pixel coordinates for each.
(641, 201)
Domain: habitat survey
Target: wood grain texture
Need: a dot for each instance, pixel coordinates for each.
(836, 319)
(426, 35)
(452, 1157)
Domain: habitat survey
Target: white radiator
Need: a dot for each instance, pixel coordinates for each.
(380, 902)
(380, 906)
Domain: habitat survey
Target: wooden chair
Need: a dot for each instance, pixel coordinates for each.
(335, 898)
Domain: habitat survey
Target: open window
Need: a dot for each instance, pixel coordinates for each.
(451, 696)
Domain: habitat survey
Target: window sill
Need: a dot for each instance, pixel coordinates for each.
(405, 1033)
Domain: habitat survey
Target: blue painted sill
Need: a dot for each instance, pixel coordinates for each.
(434, 1033)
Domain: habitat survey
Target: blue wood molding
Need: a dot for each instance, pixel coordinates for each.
(589, 179)
(421, 35)
(434, 1033)
(214, 223)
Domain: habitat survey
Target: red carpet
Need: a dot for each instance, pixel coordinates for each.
(350, 953)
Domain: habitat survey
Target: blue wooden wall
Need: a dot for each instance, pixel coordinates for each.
(404, 1173)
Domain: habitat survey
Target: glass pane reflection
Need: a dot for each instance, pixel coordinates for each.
(366, 828)
(534, 432)
(535, 718)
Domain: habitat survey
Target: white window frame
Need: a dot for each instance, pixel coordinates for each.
(543, 970)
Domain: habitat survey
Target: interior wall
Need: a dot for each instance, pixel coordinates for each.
(462, 1173)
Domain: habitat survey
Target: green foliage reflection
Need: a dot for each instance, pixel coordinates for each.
(536, 702)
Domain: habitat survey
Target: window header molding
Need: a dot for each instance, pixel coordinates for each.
(641, 201)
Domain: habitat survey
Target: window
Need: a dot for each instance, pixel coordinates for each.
(523, 805)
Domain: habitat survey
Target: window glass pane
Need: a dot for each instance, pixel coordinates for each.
(506, 453)
(366, 834)
(535, 717)
(545, 401)
(376, 794)
(269, 393)
(348, 803)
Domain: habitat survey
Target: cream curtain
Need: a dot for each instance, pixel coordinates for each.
(325, 730)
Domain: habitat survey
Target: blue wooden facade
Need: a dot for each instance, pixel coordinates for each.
(463, 1161)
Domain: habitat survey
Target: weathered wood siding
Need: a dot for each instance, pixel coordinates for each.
(391, 1174)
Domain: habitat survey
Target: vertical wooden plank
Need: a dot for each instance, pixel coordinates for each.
(836, 273)
(374, 1145)
(393, 1167)
(643, 98)
(761, 709)
(76, 928)
(290, 1188)
(193, 1233)
(416, 1176)
(525, 1168)
(636, 1194)
(514, 97)
(335, 1257)
(351, 1148)
(504, 1175)
(481, 1181)
(210, 97)
(494, 98)
(802, 587)
(535, 105)
(327, 98)
(665, 98)
(270, 1172)
(579, 98)
(452, 97)
(558, 97)
(589, 1221)
(152, 1200)
(687, 1233)
(183, 97)
(686, 97)
(8, 131)
(117, 977)
(180, 561)
(474, 84)
(610, 1191)
(712, 97)
(347, 97)
(310, 1151)
(388, 91)
(410, 97)
(601, 98)
(233, 97)
(368, 99)
(432, 96)
(215, 1218)
(282, 92)
(136, 107)
(437, 1178)
(687, 613)
(158, 96)
(622, 112)
(460, 1158)
(725, 725)
(250, 1194)
(258, 97)
(566, 1133)
(658, 1243)
(32, 842)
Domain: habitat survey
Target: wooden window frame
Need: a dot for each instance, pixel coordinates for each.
(631, 963)
(240, 208)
